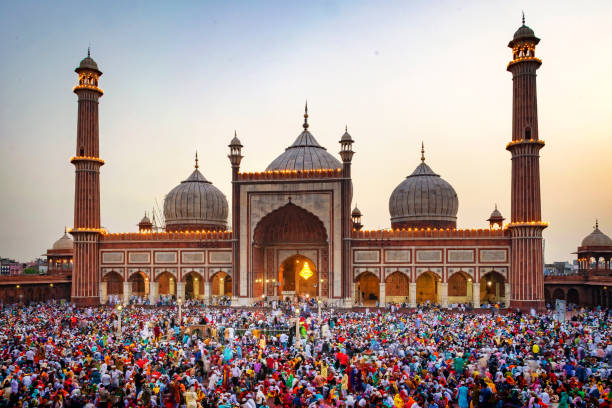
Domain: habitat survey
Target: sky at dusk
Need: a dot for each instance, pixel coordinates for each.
(181, 76)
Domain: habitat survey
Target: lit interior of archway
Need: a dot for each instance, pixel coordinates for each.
(299, 275)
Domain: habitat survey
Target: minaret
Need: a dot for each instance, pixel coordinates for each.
(86, 231)
(527, 274)
(346, 153)
(235, 158)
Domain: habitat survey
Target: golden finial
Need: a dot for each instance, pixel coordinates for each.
(422, 152)
(196, 160)
(305, 125)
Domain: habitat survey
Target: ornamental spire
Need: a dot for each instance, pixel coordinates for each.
(523, 17)
(596, 223)
(422, 152)
(196, 160)
(305, 125)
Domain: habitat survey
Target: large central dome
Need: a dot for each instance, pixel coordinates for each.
(423, 200)
(305, 154)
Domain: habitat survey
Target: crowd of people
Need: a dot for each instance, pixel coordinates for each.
(60, 356)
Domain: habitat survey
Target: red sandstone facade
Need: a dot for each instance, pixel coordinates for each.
(292, 231)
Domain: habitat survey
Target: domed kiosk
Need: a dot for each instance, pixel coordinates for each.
(423, 200)
(195, 204)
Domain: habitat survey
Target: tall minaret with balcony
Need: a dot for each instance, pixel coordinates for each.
(346, 154)
(87, 163)
(527, 274)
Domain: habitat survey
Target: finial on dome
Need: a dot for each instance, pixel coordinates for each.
(422, 152)
(305, 125)
(196, 160)
(495, 206)
(65, 230)
(89, 51)
(346, 128)
(523, 17)
(596, 223)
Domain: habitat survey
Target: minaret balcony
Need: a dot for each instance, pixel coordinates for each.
(87, 158)
(518, 142)
(88, 87)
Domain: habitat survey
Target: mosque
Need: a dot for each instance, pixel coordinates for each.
(293, 231)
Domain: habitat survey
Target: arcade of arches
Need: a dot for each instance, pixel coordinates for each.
(429, 288)
(192, 286)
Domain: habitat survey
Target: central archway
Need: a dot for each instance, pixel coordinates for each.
(286, 241)
(298, 275)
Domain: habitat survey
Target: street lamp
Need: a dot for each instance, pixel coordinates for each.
(119, 309)
(297, 327)
(179, 302)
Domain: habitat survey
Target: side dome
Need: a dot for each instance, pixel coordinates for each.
(596, 239)
(64, 243)
(423, 200)
(195, 204)
(305, 154)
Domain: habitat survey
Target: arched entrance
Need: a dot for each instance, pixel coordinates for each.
(140, 284)
(194, 285)
(298, 276)
(558, 294)
(397, 287)
(368, 289)
(459, 288)
(290, 254)
(221, 284)
(167, 284)
(573, 297)
(492, 287)
(427, 288)
(114, 283)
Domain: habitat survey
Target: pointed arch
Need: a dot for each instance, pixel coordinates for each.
(289, 223)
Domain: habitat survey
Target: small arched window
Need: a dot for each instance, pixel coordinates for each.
(527, 133)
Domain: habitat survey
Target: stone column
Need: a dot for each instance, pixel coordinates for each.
(207, 295)
(127, 292)
(382, 301)
(412, 292)
(356, 293)
(476, 294)
(171, 288)
(469, 293)
(103, 294)
(444, 294)
(153, 292)
(180, 290)
(507, 294)
(196, 288)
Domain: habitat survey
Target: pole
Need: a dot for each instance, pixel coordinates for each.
(297, 328)
(179, 302)
(119, 308)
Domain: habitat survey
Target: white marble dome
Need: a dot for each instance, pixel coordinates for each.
(195, 204)
(423, 200)
(65, 242)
